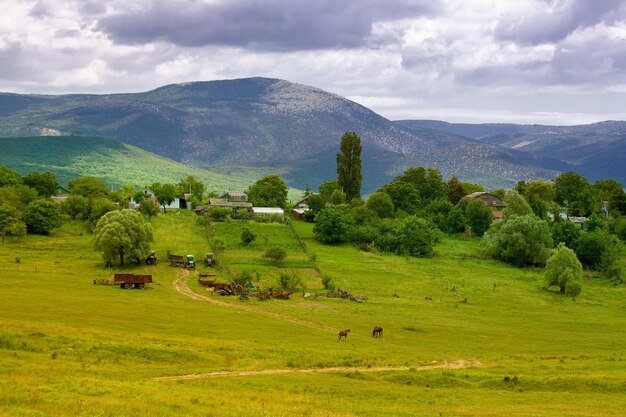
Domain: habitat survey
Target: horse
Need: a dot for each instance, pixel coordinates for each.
(377, 332)
(344, 334)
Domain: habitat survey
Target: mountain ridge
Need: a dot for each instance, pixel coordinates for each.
(264, 123)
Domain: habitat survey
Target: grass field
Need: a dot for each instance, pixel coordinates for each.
(72, 348)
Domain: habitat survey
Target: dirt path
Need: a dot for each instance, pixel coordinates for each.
(181, 284)
(446, 365)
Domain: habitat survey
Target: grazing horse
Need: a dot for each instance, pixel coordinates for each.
(344, 334)
(377, 332)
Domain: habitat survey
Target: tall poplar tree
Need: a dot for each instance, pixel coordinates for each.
(349, 165)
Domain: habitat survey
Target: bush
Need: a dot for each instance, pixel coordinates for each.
(331, 226)
(520, 240)
(414, 236)
(275, 254)
(218, 214)
(328, 283)
(289, 280)
(247, 236)
(243, 278)
(41, 216)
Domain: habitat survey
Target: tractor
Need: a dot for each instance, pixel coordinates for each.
(189, 262)
(152, 258)
(209, 260)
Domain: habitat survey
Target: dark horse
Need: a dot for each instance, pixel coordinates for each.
(377, 332)
(344, 334)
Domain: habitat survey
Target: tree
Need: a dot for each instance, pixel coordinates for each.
(247, 237)
(122, 234)
(414, 236)
(88, 187)
(10, 222)
(45, 183)
(18, 195)
(9, 177)
(316, 203)
(427, 182)
(331, 226)
(269, 191)
(455, 191)
(164, 193)
(41, 216)
(574, 192)
(564, 271)
(515, 205)
(328, 188)
(565, 232)
(349, 165)
(98, 207)
(520, 240)
(539, 195)
(381, 204)
(478, 216)
(613, 192)
(403, 195)
(596, 249)
(76, 206)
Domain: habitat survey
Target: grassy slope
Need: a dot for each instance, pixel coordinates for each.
(68, 347)
(118, 164)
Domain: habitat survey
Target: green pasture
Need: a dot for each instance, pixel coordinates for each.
(72, 348)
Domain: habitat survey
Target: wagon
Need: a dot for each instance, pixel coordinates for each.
(132, 280)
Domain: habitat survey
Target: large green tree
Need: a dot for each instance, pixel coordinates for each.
(478, 216)
(520, 240)
(123, 235)
(10, 222)
(164, 193)
(269, 191)
(89, 187)
(9, 177)
(41, 216)
(564, 271)
(331, 226)
(539, 194)
(45, 183)
(349, 165)
(574, 192)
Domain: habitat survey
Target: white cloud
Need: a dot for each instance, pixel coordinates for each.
(447, 59)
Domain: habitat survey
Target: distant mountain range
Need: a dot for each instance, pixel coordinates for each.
(274, 125)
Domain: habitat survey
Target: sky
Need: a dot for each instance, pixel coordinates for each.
(520, 61)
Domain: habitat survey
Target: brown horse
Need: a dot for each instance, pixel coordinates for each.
(377, 332)
(344, 334)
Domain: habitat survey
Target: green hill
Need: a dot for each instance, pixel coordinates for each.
(116, 163)
(463, 335)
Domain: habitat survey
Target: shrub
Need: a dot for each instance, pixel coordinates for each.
(275, 254)
(328, 283)
(218, 214)
(289, 280)
(247, 236)
(520, 240)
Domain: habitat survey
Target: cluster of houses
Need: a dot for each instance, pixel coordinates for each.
(236, 200)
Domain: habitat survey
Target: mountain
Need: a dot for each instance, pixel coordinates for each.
(116, 163)
(595, 150)
(268, 124)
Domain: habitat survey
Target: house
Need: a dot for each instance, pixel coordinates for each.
(300, 208)
(60, 195)
(233, 200)
(268, 212)
(178, 203)
(490, 200)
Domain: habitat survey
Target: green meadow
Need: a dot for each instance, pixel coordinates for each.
(463, 335)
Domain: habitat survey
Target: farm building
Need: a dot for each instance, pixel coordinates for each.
(300, 208)
(233, 200)
(268, 212)
(178, 203)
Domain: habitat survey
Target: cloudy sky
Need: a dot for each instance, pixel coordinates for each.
(525, 61)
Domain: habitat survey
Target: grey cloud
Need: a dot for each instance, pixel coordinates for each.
(271, 25)
(555, 22)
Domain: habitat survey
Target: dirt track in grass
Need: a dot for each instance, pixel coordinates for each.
(218, 374)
